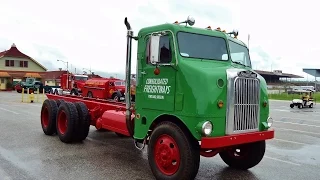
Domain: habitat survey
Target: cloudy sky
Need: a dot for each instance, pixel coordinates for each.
(283, 36)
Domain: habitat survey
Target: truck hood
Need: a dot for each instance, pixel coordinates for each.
(207, 84)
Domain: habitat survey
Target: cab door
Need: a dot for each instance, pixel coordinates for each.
(156, 91)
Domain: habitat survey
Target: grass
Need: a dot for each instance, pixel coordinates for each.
(285, 96)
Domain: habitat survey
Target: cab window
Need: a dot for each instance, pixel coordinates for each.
(164, 49)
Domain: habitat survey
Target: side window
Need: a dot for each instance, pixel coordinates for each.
(164, 50)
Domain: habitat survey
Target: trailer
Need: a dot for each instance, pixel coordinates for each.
(193, 98)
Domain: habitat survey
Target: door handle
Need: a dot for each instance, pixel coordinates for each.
(143, 72)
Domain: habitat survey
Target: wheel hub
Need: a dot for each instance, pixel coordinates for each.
(167, 155)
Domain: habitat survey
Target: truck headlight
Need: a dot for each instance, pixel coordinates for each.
(269, 121)
(207, 128)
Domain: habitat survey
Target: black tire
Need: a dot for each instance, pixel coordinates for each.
(311, 105)
(253, 154)
(74, 92)
(116, 96)
(84, 121)
(59, 101)
(300, 106)
(188, 159)
(67, 112)
(291, 105)
(48, 116)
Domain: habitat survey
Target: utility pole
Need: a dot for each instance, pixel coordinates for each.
(67, 72)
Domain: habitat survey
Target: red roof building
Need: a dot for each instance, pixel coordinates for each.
(15, 66)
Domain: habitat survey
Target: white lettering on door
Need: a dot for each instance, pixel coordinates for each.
(157, 86)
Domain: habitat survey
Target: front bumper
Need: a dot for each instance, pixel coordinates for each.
(224, 141)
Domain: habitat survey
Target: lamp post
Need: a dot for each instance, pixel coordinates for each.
(67, 72)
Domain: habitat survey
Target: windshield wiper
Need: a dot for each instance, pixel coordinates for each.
(236, 62)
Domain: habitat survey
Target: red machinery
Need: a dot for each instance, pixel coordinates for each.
(104, 88)
(75, 84)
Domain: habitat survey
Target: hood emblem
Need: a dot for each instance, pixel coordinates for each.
(247, 74)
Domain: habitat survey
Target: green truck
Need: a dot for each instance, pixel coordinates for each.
(31, 84)
(196, 95)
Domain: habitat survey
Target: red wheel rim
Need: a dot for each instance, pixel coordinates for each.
(62, 122)
(45, 117)
(167, 155)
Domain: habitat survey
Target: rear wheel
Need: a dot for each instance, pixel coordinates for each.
(67, 121)
(74, 92)
(48, 116)
(172, 154)
(84, 121)
(59, 101)
(311, 105)
(244, 156)
(116, 96)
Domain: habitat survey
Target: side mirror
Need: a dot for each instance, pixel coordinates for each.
(154, 49)
(224, 57)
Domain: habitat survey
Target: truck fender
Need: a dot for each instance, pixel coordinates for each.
(174, 119)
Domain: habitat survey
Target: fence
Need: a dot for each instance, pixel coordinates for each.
(31, 97)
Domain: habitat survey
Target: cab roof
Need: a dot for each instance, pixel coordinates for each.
(191, 29)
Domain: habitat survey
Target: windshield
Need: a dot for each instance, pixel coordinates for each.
(239, 54)
(80, 78)
(201, 46)
(119, 83)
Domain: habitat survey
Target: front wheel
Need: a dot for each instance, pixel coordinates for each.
(172, 154)
(244, 156)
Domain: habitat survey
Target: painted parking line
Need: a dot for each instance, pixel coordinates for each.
(298, 124)
(295, 142)
(301, 119)
(294, 130)
(8, 110)
(284, 161)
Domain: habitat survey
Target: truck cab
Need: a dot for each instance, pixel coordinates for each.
(77, 83)
(198, 75)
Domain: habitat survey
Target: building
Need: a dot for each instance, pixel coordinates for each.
(277, 81)
(16, 66)
(53, 78)
(274, 77)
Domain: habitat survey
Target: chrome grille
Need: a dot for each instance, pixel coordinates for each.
(246, 104)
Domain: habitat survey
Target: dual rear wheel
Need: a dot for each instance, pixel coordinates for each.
(70, 121)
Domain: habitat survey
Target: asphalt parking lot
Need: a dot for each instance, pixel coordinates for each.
(26, 153)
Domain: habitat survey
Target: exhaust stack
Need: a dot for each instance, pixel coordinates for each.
(128, 78)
